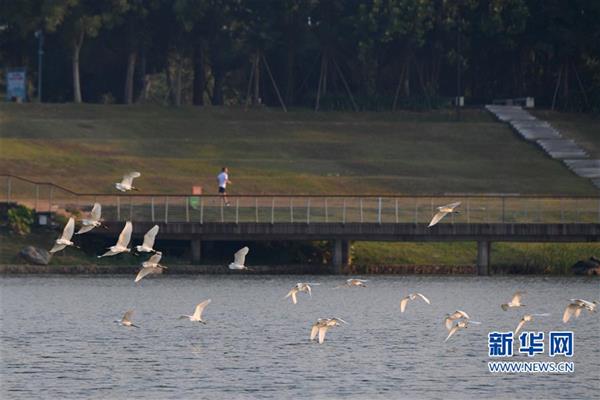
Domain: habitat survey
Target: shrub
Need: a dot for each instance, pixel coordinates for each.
(20, 219)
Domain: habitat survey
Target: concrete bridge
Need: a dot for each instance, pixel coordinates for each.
(340, 219)
(340, 235)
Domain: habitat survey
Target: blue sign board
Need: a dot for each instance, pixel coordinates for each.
(16, 84)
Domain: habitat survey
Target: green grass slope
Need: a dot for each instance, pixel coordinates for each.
(88, 147)
(584, 129)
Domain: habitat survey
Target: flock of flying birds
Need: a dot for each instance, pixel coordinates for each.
(453, 322)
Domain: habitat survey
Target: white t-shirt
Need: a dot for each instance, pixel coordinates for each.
(223, 178)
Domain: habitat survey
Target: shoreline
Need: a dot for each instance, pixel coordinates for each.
(296, 269)
(32, 269)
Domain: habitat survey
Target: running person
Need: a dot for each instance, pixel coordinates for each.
(223, 180)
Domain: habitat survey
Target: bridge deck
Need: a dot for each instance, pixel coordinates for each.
(367, 231)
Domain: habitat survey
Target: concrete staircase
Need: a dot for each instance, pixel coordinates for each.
(550, 140)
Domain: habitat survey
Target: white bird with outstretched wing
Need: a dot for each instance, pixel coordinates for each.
(93, 221)
(464, 324)
(575, 307)
(239, 259)
(528, 318)
(65, 239)
(322, 326)
(514, 302)
(122, 242)
(412, 296)
(197, 315)
(126, 183)
(149, 238)
(300, 287)
(151, 266)
(357, 282)
(126, 320)
(458, 314)
(443, 211)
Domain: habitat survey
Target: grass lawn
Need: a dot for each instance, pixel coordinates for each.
(88, 147)
(529, 257)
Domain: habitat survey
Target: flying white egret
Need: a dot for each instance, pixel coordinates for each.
(122, 243)
(126, 320)
(300, 287)
(65, 239)
(197, 315)
(356, 282)
(412, 296)
(528, 318)
(149, 237)
(458, 314)
(575, 307)
(443, 211)
(591, 306)
(92, 222)
(463, 324)
(126, 183)
(514, 302)
(322, 326)
(239, 259)
(151, 266)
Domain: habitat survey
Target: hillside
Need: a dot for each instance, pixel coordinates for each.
(88, 147)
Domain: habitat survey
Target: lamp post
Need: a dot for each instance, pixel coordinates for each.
(40, 37)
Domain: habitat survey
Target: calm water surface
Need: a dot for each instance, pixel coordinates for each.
(58, 339)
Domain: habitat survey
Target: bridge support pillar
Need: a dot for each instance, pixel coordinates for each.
(196, 250)
(345, 252)
(484, 250)
(341, 255)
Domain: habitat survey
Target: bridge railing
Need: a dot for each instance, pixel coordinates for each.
(305, 209)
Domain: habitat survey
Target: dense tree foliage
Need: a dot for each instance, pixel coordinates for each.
(322, 54)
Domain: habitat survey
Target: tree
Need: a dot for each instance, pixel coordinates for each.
(134, 25)
(194, 15)
(349, 53)
(76, 19)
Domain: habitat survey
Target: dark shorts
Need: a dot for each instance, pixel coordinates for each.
(221, 189)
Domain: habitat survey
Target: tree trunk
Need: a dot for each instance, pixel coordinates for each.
(178, 83)
(76, 80)
(217, 95)
(145, 90)
(131, 59)
(419, 69)
(147, 84)
(199, 76)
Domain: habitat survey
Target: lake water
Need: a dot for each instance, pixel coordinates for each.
(58, 338)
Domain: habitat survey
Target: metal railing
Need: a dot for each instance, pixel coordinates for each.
(304, 209)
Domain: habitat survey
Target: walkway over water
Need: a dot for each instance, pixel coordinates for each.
(483, 217)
